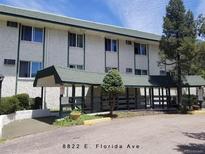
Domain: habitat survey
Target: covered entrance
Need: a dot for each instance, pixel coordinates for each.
(142, 92)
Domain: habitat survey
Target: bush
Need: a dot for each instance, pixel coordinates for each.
(9, 105)
(23, 101)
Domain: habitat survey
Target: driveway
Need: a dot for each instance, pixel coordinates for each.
(144, 134)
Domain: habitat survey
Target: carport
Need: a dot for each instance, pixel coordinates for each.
(142, 92)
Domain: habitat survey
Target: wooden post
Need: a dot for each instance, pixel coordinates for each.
(159, 97)
(162, 97)
(153, 98)
(83, 99)
(92, 105)
(136, 100)
(150, 97)
(127, 98)
(145, 97)
(73, 97)
(189, 95)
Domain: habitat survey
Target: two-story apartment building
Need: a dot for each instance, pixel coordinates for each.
(30, 41)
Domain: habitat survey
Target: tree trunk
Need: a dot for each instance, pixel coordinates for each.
(179, 81)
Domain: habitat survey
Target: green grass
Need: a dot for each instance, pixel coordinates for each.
(69, 122)
(2, 140)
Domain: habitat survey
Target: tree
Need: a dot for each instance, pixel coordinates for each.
(178, 41)
(112, 85)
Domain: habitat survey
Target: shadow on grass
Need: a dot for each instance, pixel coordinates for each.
(191, 148)
(108, 115)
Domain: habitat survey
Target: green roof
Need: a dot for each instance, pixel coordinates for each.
(55, 76)
(72, 22)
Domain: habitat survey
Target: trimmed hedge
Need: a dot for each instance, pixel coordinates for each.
(19, 102)
(9, 105)
(23, 101)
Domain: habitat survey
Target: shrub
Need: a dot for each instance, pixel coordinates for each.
(9, 105)
(23, 101)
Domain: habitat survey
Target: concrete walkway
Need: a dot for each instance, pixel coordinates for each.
(29, 126)
(157, 134)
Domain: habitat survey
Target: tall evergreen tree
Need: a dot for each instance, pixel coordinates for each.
(178, 40)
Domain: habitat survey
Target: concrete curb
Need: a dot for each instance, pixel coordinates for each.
(94, 121)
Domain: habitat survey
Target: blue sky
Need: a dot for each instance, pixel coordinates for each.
(143, 15)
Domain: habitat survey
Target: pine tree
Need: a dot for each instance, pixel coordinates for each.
(178, 40)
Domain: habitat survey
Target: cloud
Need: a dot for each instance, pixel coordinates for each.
(201, 7)
(142, 15)
(51, 6)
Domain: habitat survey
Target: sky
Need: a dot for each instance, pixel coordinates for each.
(142, 15)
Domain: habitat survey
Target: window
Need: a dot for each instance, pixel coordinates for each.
(37, 34)
(80, 41)
(107, 44)
(144, 72)
(137, 72)
(79, 67)
(32, 34)
(128, 70)
(137, 48)
(12, 24)
(140, 49)
(9, 61)
(140, 72)
(128, 42)
(35, 67)
(107, 69)
(111, 45)
(72, 38)
(143, 49)
(26, 33)
(114, 45)
(29, 69)
(76, 40)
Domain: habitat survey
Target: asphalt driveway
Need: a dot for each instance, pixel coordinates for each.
(144, 134)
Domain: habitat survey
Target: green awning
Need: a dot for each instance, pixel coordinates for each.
(56, 76)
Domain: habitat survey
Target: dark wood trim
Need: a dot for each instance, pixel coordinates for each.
(163, 98)
(152, 89)
(159, 92)
(83, 99)
(145, 97)
(91, 100)
(127, 97)
(73, 97)
(84, 51)
(150, 97)
(60, 106)
(68, 50)
(134, 59)
(105, 56)
(17, 59)
(118, 55)
(189, 97)
(43, 64)
(148, 59)
(136, 98)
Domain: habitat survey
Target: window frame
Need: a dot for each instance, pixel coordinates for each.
(30, 69)
(111, 45)
(32, 34)
(140, 49)
(129, 70)
(76, 40)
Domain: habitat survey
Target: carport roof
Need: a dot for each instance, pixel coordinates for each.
(55, 76)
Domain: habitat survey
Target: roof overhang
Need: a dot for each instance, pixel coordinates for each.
(37, 16)
(55, 76)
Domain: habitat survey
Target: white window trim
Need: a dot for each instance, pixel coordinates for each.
(32, 35)
(30, 73)
(76, 42)
(117, 42)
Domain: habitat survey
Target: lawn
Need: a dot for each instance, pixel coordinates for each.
(67, 121)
